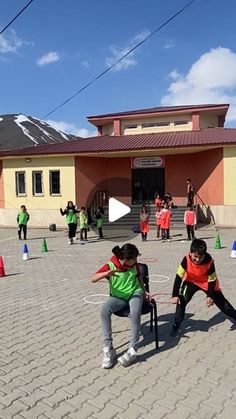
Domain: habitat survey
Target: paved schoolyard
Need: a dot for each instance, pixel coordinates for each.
(50, 347)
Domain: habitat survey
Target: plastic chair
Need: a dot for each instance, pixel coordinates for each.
(147, 307)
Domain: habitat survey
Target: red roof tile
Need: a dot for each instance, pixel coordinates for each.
(162, 109)
(164, 140)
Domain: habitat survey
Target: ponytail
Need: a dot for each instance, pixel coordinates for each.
(117, 252)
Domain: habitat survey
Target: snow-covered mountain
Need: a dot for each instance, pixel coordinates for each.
(18, 131)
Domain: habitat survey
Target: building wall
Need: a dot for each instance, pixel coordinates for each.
(229, 176)
(109, 175)
(45, 164)
(206, 171)
(2, 202)
(168, 118)
(208, 120)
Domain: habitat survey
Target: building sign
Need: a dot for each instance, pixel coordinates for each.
(147, 162)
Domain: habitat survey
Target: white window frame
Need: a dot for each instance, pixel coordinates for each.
(50, 183)
(21, 172)
(34, 173)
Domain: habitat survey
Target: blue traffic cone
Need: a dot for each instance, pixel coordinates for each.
(25, 252)
(233, 250)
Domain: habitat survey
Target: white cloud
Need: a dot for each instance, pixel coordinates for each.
(118, 52)
(169, 43)
(211, 79)
(69, 128)
(11, 43)
(49, 58)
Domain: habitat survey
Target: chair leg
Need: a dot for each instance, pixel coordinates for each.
(156, 325)
(151, 318)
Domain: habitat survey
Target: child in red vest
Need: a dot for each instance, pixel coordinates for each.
(197, 272)
(165, 223)
(158, 220)
(144, 222)
(190, 221)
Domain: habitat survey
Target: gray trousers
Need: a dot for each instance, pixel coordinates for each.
(115, 304)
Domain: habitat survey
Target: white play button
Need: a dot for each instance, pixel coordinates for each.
(116, 209)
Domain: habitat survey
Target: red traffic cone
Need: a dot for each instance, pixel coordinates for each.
(2, 270)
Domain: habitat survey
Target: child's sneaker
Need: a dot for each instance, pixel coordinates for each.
(108, 357)
(128, 357)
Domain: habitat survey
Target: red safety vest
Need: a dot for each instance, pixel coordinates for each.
(198, 274)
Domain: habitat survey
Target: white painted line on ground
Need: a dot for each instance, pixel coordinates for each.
(163, 278)
(87, 298)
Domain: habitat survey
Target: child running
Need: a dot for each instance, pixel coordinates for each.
(126, 289)
(190, 221)
(22, 220)
(197, 272)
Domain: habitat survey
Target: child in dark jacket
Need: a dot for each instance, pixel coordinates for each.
(197, 272)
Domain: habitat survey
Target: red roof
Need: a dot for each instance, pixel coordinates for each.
(217, 137)
(164, 109)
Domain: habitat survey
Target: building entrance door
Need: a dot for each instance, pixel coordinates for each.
(146, 183)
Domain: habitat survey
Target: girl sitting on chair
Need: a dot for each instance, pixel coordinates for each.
(126, 289)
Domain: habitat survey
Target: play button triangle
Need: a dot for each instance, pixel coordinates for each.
(116, 209)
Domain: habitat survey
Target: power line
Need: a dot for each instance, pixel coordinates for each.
(118, 61)
(14, 18)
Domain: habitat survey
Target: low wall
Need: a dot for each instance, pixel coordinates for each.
(38, 218)
(221, 215)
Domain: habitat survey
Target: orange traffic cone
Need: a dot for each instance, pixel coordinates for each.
(2, 270)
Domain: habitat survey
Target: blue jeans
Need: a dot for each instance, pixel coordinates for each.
(115, 304)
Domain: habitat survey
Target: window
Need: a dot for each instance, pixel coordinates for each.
(131, 126)
(155, 124)
(54, 182)
(181, 122)
(37, 179)
(20, 183)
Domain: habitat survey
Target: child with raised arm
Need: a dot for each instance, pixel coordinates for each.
(126, 289)
(197, 273)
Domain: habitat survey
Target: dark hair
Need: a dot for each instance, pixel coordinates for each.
(23, 207)
(82, 208)
(144, 207)
(198, 246)
(189, 180)
(127, 251)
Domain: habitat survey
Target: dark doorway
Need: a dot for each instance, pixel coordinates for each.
(146, 183)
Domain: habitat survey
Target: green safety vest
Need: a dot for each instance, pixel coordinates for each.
(124, 284)
(71, 217)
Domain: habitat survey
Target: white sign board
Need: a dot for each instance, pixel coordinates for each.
(147, 162)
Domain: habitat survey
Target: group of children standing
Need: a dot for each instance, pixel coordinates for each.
(85, 219)
(163, 216)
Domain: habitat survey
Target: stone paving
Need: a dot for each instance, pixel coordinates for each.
(50, 346)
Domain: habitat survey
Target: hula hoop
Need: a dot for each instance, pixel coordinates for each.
(160, 294)
(165, 278)
(148, 260)
(94, 295)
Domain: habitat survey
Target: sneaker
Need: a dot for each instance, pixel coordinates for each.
(128, 357)
(175, 332)
(70, 241)
(108, 357)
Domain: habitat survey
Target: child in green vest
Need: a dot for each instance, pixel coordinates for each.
(22, 220)
(126, 289)
(71, 218)
(83, 221)
(100, 222)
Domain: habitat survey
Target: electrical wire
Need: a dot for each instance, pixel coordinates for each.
(119, 60)
(14, 18)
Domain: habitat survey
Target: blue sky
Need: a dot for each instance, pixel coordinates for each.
(57, 46)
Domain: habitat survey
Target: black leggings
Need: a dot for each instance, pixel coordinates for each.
(188, 290)
(72, 230)
(24, 228)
